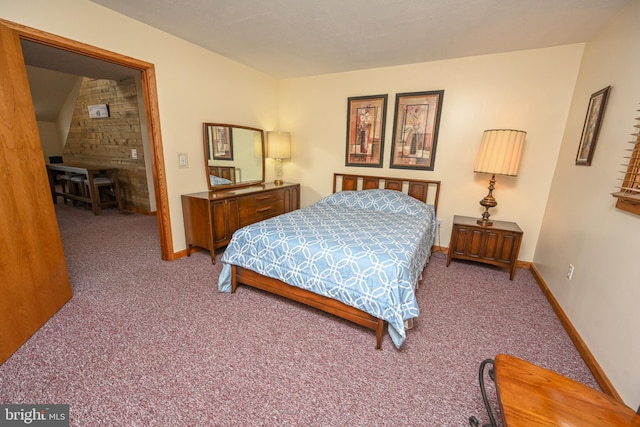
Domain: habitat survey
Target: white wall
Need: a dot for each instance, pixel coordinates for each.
(194, 85)
(581, 225)
(65, 115)
(527, 90)
(51, 145)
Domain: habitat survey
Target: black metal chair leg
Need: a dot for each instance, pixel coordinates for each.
(473, 421)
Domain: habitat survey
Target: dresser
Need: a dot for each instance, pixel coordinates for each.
(211, 217)
(497, 244)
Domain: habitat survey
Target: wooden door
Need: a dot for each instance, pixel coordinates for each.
(34, 282)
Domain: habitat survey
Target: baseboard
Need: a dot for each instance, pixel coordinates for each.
(587, 356)
(133, 209)
(597, 372)
(445, 250)
(439, 249)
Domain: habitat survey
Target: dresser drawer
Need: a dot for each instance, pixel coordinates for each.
(261, 206)
(211, 218)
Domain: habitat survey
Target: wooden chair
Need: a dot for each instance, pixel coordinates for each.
(65, 180)
(107, 190)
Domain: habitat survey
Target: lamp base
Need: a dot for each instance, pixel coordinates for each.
(278, 180)
(488, 202)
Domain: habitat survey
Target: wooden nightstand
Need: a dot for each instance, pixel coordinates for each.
(497, 244)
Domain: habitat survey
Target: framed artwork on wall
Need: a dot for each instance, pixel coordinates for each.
(415, 130)
(98, 111)
(222, 142)
(366, 116)
(591, 128)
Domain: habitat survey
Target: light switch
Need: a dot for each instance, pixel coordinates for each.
(183, 161)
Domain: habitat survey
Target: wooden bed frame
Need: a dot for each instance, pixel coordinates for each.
(423, 190)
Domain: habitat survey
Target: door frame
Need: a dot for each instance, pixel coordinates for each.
(149, 89)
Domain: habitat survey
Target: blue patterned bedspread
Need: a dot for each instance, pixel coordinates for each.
(366, 249)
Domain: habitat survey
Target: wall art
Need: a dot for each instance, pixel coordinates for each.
(591, 128)
(415, 131)
(366, 117)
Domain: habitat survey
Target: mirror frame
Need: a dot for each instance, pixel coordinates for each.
(206, 153)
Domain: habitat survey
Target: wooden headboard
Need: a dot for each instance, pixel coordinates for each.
(226, 172)
(424, 190)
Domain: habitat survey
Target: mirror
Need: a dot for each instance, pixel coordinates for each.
(234, 155)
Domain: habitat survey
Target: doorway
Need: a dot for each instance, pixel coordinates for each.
(148, 86)
(63, 85)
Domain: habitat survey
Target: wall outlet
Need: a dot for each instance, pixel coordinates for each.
(134, 154)
(439, 223)
(570, 271)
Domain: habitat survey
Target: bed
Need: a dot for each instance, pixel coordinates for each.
(222, 175)
(357, 254)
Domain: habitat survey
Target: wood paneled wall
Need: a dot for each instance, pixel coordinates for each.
(109, 140)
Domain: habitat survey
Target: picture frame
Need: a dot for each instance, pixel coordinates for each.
(221, 141)
(591, 127)
(98, 111)
(416, 123)
(366, 117)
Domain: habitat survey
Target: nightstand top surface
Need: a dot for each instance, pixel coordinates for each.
(499, 225)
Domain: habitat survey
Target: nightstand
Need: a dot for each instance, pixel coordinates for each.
(497, 244)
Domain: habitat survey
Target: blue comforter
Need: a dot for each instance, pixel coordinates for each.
(363, 248)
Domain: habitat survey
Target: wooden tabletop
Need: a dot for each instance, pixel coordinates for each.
(533, 396)
(79, 168)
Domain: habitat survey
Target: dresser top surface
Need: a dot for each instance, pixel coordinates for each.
(240, 191)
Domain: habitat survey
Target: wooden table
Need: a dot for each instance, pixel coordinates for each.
(533, 396)
(89, 172)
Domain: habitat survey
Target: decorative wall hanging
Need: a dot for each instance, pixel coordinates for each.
(415, 131)
(366, 117)
(591, 128)
(222, 142)
(98, 111)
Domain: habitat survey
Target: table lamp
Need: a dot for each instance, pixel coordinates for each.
(278, 148)
(500, 154)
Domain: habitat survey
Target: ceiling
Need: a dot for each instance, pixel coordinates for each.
(294, 38)
(53, 73)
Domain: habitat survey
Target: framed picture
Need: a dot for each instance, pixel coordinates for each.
(366, 117)
(98, 111)
(221, 140)
(591, 128)
(415, 130)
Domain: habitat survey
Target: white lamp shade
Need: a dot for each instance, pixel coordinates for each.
(278, 145)
(500, 152)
